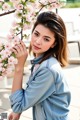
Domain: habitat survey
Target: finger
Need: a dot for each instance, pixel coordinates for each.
(10, 117)
(18, 47)
(15, 51)
(23, 45)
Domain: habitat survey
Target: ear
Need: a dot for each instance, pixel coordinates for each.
(53, 45)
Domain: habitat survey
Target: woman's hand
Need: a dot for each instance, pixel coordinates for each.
(14, 116)
(21, 53)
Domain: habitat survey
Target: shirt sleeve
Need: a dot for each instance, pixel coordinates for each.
(38, 90)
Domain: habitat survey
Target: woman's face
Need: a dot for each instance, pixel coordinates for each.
(42, 39)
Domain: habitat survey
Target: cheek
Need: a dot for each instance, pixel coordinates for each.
(46, 47)
(32, 39)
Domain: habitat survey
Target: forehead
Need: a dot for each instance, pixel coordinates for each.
(43, 30)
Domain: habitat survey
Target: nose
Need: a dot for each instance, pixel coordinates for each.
(39, 40)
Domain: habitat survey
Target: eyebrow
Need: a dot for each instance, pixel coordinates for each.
(44, 36)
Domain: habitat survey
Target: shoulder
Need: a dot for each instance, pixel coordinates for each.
(52, 65)
(49, 69)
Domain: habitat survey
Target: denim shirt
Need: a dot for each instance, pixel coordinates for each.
(47, 92)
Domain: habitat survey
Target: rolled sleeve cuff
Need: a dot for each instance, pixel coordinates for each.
(15, 99)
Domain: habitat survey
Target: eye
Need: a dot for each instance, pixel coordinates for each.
(46, 39)
(36, 34)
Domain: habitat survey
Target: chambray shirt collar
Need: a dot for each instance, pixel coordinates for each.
(36, 60)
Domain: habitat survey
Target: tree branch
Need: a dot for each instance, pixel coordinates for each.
(46, 5)
(6, 13)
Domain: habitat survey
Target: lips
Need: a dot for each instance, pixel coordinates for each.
(35, 47)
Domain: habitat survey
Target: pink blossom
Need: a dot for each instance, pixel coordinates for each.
(9, 37)
(12, 60)
(28, 18)
(4, 56)
(8, 46)
(16, 40)
(7, 52)
(19, 7)
(29, 8)
(6, 6)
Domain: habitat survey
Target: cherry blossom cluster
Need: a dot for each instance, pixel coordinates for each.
(7, 58)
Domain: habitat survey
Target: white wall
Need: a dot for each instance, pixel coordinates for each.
(71, 15)
(5, 24)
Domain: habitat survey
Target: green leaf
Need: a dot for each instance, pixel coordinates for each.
(5, 62)
(13, 54)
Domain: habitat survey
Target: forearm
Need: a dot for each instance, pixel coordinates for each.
(18, 78)
(21, 54)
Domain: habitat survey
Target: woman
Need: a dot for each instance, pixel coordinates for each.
(47, 90)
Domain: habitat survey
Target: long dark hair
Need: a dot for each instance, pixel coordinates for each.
(55, 24)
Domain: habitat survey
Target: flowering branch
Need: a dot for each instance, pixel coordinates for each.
(25, 15)
(44, 5)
